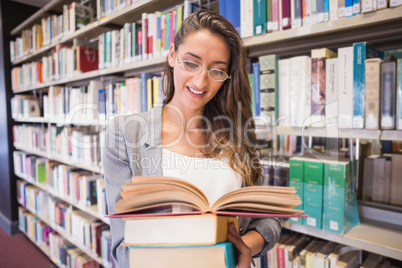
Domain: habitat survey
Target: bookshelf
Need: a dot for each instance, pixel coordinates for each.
(368, 237)
(383, 27)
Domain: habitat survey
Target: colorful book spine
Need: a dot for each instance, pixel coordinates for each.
(298, 10)
(234, 15)
(356, 7)
(372, 97)
(260, 17)
(269, 16)
(275, 15)
(348, 8)
(361, 52)
(388, 90)
(313, 192)
(296, 180)
(286, 14)
(257, 96)
(251, 80)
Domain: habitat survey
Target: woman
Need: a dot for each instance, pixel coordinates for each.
(202, 133)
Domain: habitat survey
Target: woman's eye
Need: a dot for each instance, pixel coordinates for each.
(191, 65)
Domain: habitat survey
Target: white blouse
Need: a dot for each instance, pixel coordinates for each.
(212, 176)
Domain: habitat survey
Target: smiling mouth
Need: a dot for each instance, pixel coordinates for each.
(195, 91)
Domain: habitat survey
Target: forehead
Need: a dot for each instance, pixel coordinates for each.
(207, 45)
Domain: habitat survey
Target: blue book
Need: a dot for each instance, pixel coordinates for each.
(222, 8)
(234, 15)
(388, 94)
(399, 95)
(361, 52)
(356, 7)
(144, 91)
(218, 255)
(320, 10)
(256, 73)
(326, 10)
(348, 8)
(102, 104)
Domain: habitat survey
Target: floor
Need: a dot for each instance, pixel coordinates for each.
(18, 251)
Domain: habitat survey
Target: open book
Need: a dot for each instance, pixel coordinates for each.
(154, 193)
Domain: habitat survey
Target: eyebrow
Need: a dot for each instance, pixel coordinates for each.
(198, 57)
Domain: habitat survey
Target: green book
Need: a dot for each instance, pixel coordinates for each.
(296, 177)
(340, 205)
(270, 27)
(179, 17)
(260, 17)
(40, 171)
(313, 192)
(133, 39)
(167, 31)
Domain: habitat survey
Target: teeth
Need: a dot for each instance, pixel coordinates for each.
(195, 91)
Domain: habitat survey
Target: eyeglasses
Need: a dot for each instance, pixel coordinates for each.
(194, 68)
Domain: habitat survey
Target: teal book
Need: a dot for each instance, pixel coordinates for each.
(361, 52)
(296, 175)
(313, 192)
(340, 205)
(399, 95)
(222, 255)
(260, 17)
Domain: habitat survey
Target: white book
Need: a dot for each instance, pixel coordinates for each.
(395, 3)
(284, 92)
(92, 99)
(331, 92)
(333, 9)
(345, 86)
(372, 93)
(300, 91)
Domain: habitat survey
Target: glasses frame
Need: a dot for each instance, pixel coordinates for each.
(201, 69)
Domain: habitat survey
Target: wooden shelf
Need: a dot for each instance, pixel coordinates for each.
(368, 237)
(369, 134)
(78, 164)
(92, 210)
(72, 240)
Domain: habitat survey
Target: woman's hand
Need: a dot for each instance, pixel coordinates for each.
(244, 251)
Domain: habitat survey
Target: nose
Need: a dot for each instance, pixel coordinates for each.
(201, 79)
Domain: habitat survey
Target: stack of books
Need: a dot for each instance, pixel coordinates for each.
(158, 236)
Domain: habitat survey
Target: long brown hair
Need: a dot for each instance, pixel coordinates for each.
(232, 101)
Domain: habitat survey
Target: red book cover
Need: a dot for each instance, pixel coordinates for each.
(286, 16)
(172, 25)
(87, 59)
(145, 36)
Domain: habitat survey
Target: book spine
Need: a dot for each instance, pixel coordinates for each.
(269, 16)
(356, 7)
(260, 17)
(268, 86)
(320, 11)
(348, 8)
(331, 92)
(313, 193)
(234, 15)
(286, 14)
(388, 89)
(296, 173)
(256, 73)
(345, 83)
(341, 9)
(372, 94)
(297, 14)
(318, 92)
(399, 96)
(144, 92)
(275, 15)
(326, 10)
(313, 11)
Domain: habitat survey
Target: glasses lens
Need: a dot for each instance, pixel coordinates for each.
(217, 75)
(191, 67)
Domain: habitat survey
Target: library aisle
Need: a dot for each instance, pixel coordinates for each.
(19, 245)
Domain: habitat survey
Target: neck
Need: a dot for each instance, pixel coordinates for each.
(182, 117)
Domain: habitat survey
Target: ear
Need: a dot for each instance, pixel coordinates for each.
(171, 55)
